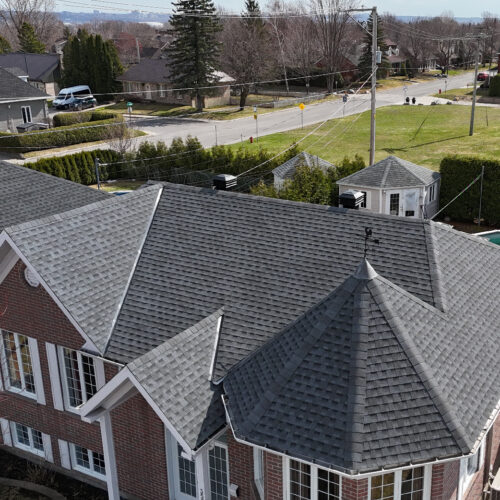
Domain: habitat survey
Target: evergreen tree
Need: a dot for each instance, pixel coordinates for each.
(89, 60)
(5, 47)
(29, 41)
(194, 53)
(365, 61)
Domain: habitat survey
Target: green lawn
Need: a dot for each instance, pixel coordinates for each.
(152, 109)
(465, 94)
(421, 134)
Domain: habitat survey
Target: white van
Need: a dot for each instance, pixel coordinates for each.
(67, 96)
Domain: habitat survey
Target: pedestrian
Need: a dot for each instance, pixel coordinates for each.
(414, 101)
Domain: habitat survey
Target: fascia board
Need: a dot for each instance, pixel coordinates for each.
(89, 343)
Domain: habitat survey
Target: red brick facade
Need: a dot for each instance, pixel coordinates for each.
(241, 470)
(273, 476)
(354, 489)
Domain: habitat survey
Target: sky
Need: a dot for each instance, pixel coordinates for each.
(460, 8)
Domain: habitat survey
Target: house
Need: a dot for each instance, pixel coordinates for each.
(396, 187)
(287, 170)
(185, 343)
(150, 80)
(43, 70)
(20, 102)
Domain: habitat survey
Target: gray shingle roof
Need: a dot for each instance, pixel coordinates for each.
(345, 386)
(287, 169)
(26, 194)
(12, 87)
(147, 71)
(392, 172)
(36, 66)
(86, 256)
(181, 384)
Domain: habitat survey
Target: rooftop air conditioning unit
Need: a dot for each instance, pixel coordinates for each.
(351, 199)
(224, 182)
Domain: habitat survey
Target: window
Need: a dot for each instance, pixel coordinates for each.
(162, 90)
(87, 461)
(80, 377)
(394, 204)
(410, 213)
(432, 192)
(26, 111)
(468, 468)
(218, 472)
(258, 470)
(187, 474)
(307, 482)
(17, 363)
(363, 203)
(412, 484)
(28, 439)
(382, 487)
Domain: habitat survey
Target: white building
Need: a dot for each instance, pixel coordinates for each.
(397, 187)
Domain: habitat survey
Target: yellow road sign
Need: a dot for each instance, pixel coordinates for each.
(301, 106)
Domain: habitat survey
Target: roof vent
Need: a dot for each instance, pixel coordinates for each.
(224, 182)
(351, 199)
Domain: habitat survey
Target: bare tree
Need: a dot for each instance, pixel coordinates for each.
(491, 28)
(38, 13)
(331, 21)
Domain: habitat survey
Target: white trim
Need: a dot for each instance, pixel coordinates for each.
(64, 454)
(47, 448)
(5, 237)
(55, 379)
(218, 444)
(108, 449)
(100, 378)
(37, 370)
(202, 474)
(426, 487)
(259, 470)
(30, 448)
(427, 481)
(134, 265)
(6, 437)
(216, 344)
(90, 471)
(22, 99)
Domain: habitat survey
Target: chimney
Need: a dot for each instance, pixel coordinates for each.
(223, 182)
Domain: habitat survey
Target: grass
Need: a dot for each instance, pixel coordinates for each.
(152, 109)
(465, 94)
(119, 185)
(421, 134)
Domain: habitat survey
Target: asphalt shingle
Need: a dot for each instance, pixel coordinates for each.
(287, 169)
(12, 87)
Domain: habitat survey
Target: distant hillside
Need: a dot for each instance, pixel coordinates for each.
(135, 16)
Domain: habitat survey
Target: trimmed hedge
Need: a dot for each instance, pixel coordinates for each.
(495, 86)
(66, 119)
(62, 136)
(456, 173)
(78, 167)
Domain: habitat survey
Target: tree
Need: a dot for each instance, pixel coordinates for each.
(29, 41)
(87, 59)
(4, 46)
(194, 52)
(246, 54)
(365, 62)
(331, 22)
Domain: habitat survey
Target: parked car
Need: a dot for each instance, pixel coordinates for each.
(80, 103)
(481, 77)
(67, 96)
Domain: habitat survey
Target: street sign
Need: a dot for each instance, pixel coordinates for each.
(301, 106)
(129, 104)
(344, 98)
(255, 109)
(255, 116)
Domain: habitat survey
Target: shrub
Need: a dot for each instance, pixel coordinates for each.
(495, 86)
(456, 173)
(66, 119)
(62, 136)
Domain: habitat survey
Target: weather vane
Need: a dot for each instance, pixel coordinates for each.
(368, 237)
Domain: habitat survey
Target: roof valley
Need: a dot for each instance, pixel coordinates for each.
(422, 369)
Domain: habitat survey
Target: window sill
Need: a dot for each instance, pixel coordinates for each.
(89, 472)
(33, 451)
(21, 392)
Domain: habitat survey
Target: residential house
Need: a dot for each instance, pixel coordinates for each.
(43, 70)
(287, 170)
(20, 102)
(396, 187)
(150, 80)
(185, 343)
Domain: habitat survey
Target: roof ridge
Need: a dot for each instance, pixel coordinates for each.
(422, 369)
(438, 291)
(404, 164)
(292, 364)
(133, 268)
(50, 219)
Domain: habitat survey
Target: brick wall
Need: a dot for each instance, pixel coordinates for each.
(354, 489)
(241, 467)
(273, 476)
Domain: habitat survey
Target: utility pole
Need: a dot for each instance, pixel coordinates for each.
(374, 85)
(480, 198)
(96, 164)
(473, 109)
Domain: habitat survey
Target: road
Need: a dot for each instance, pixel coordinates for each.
(210, 132)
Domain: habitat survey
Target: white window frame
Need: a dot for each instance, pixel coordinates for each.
(173, 469)
(466, 477)
(98, 373)
(314, 478)
(432, 192)
(26, 112)
(38, 395)
(218, 444)
(84, 470)
(398, 481)
(259, 471)
(162, 90)
(31, 447)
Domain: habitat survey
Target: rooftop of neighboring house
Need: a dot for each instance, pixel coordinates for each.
(321, 355)
(14, 88)
(287, 169)
(38, 67)
(391, 172)
(26, 194)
